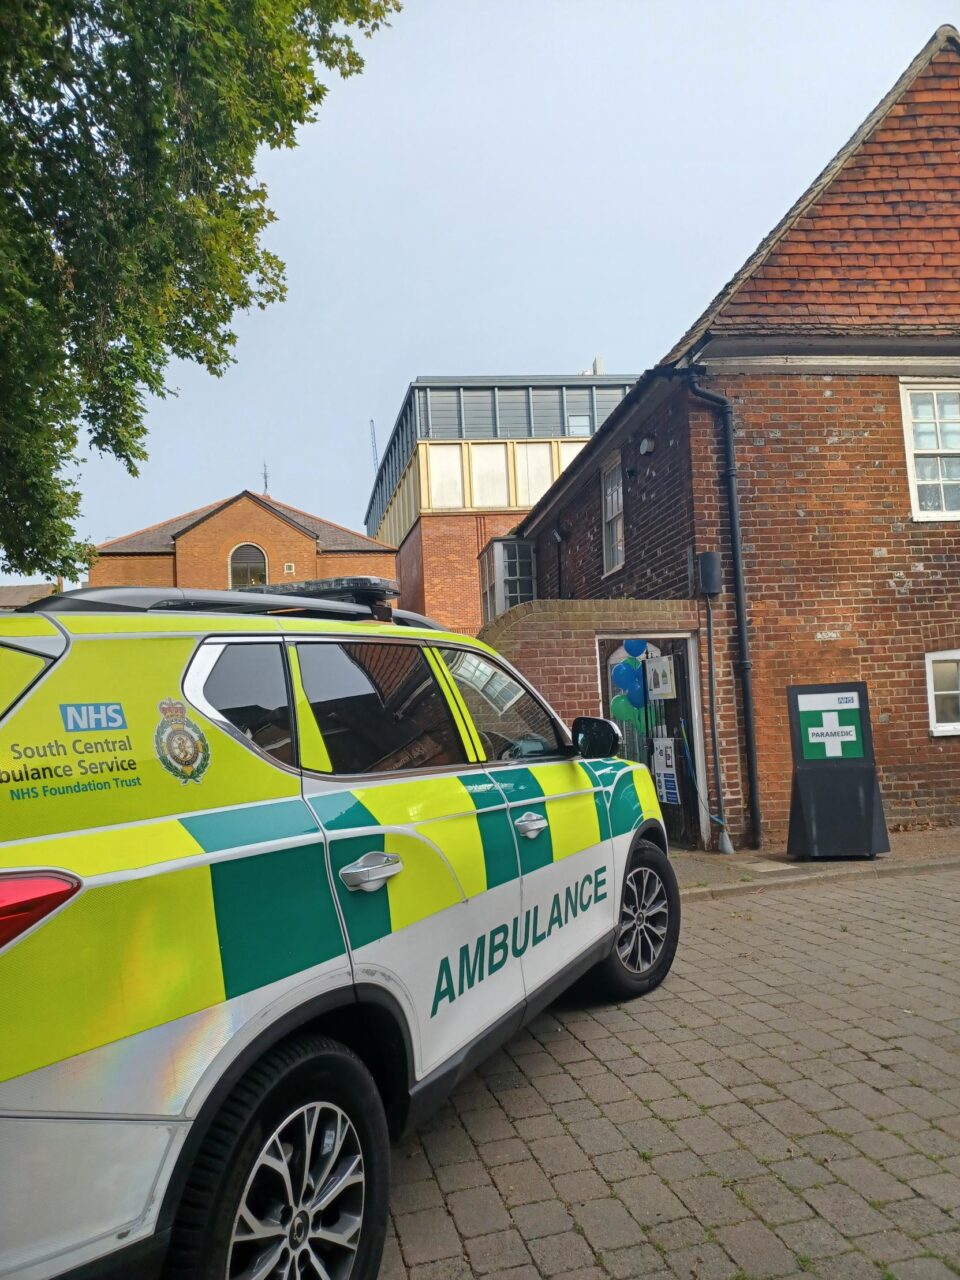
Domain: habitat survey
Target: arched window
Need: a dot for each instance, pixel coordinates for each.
(248, 566)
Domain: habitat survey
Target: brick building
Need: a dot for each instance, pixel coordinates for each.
(241, 541)
(835, 352)
(466, 458)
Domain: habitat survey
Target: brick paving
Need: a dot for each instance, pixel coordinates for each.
(787, 1104)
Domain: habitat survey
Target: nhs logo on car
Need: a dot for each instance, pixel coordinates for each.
(88, 717)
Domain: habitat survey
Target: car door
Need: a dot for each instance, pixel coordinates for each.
(557, 811)
(421, 854)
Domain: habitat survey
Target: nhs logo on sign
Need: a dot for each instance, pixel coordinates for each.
(86, 717)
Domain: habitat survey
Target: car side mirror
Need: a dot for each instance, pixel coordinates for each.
(596, 739)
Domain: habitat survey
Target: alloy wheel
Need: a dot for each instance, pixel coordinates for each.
(643, 920)
(301, 1210)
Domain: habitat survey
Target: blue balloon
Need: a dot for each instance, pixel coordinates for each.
(635, 647)
(624, 676)
(637, 695)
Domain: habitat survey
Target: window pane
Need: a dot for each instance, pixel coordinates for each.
(489, 474)
(578, 424)
(947, 708)
(950, 435)
(948, 404)
(378, 707)
(612, 491)
(921, 404)
(929, 497)
(946, 676)
(951, 497)
(924, 436)
(927, 469)
(249, 688)
(446, 476)
(511, 723)
(950, 468)
(534, 472)
(248, 566)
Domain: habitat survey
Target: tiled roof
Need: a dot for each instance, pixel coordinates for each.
(160, 538)
(21, 593)
(873, 246)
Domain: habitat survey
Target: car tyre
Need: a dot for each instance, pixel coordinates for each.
(296, 1163)
(648, 927)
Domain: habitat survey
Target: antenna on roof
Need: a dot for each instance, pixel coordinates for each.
(373, 445)
(266, 480)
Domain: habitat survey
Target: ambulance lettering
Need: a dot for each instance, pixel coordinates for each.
(490, 952)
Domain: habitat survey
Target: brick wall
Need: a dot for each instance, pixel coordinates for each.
(350, 564)
(439, 570)
(133, 571)
(657, 514)
(554, 642)
(843, 584)
(203, 552)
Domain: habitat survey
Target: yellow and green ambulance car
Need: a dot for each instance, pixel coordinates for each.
(274, 876)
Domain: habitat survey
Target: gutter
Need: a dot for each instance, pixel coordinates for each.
(723, 409)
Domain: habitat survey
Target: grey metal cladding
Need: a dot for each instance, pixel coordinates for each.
(547, 412)
(479, 421)
(514, 414)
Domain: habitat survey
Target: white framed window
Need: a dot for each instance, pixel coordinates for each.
(931, 428)
(943, 691)
(611, 488)
(290, 567)
(508, 575)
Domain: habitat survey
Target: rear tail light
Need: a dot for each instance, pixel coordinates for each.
(26, 898)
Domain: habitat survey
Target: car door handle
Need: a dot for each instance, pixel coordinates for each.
(531, 824)
(371, 871)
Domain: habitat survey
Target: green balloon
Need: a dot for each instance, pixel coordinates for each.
(621, 708)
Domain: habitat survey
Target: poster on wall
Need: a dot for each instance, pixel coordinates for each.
(665, 770)
(660, 681)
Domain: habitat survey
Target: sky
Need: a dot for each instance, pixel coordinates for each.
(510, 187)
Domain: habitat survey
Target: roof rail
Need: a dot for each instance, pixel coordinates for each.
(188, 600)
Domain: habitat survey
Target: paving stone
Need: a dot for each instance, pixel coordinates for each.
(845, 1209)
(522, 1183)
(678, 1234)
(942, 1189)
(447, 1269)
(635, 1260)
(703, 1135)
(555, 1255)
(427, 1236)
(575, 1188)
(889, 1246)
(460, 1177)
(650, 1200)
(497, 1252)
(710, 1201)
(559, 1155)
(677, 1166)
(614, 1166)
(507, 1151)
(448, 1146)
(478, 1212)
(391, 1265)
(653, 1136)
(410, 1196)
(705, 1261)
(547, 1218)
(488, 1125)
(872, 1182)
(757, 1250)
(773, 1202)
(607, 1224)
(597, 1136)
(922, 1269)
(813, 1238)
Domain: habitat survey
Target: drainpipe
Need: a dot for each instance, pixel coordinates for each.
(723, 409)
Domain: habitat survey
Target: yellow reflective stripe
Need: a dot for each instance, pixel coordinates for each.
(442, 811)
(97, 853)
(574, 825)
(455, 698)
(17, 669)
(119, 959)
(313, 750)
(424, 887)
(647, 794)
(27, 625)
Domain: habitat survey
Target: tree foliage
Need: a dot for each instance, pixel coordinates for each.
(131, 218)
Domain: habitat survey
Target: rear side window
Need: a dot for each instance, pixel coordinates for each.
(248, 686)
(511, 723)
(378, 707)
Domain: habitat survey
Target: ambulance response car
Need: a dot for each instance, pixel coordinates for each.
(274, 876)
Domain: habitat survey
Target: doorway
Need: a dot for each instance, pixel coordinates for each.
(650, 688)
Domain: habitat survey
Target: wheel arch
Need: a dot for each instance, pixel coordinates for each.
(653, 832)
(364, 1018)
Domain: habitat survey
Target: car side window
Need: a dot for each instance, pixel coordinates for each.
(378, 707)
(511, 723)
(248, 686)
